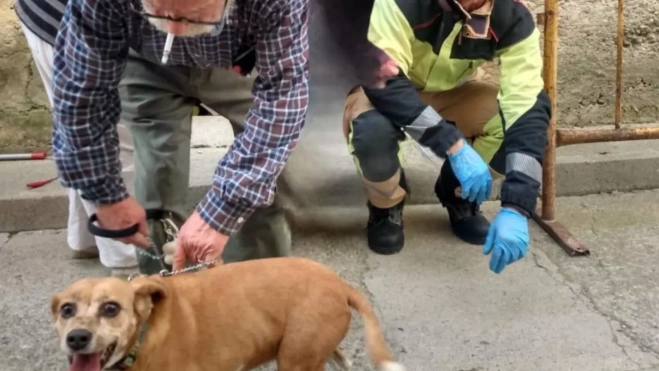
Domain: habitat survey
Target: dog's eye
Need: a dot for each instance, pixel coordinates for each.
(67, 310)
(110, 309)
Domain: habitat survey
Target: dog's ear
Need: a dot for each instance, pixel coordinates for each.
(54, 306)
(148, 292)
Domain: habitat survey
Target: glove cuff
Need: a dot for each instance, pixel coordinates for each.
(521, 201)
(516, 209)
(441, 137)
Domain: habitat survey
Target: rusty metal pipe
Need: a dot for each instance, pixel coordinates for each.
(566, 137)
(545, 214)
(562, 236)
(550, 76)
(620, 35)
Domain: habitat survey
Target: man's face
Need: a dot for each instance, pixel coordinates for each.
(192, 10)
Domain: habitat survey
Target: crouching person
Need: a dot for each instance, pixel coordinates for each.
(481, 130)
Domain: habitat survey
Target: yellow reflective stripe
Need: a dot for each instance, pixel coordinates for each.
(520, 81)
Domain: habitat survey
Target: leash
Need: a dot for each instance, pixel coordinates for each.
(171, 230)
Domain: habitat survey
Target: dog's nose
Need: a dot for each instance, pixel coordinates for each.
(78, 339)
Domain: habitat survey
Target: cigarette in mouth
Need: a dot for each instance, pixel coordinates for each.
(168, 48)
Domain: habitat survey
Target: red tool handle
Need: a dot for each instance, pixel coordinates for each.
(39, 183)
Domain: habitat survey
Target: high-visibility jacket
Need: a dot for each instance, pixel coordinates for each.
(437, 46)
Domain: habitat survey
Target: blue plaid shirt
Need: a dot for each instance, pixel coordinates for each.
(90, 56)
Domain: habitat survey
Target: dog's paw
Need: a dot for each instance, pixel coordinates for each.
(168, 251)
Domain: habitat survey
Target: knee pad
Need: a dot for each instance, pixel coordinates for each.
(375, 142)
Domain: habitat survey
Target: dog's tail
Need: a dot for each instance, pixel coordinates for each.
(375, 341)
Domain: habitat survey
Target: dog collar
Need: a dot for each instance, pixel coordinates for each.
(129, 360)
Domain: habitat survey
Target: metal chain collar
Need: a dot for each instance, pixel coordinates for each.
(171, 230)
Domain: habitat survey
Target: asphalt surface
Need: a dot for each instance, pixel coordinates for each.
(440, 305)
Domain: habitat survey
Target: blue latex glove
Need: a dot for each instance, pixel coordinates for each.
(472, 173)
(507, 239)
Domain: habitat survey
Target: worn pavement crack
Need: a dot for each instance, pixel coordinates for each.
(592, 225)
(589, 302)
(616, 340)
(6, 240)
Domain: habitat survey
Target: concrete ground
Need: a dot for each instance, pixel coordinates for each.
(440, 305)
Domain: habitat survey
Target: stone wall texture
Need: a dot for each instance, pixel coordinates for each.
(25, 120)
(586, 71)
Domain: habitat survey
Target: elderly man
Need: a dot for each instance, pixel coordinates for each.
(246, 60)
(436, 98)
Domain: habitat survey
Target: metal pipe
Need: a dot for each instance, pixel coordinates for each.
(550, 77)
(562, 236)
(566, 137)
(620, 35)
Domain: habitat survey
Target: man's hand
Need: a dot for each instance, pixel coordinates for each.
(387, 70)
(125, 214)
(507, 239)
(197, 242)
(471, 171)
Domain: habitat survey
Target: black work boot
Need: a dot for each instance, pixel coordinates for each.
(385, 226)
(467, 221)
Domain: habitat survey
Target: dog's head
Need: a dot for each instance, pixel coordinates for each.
(98, 320)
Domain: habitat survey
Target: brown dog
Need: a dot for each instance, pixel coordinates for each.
(233, 317)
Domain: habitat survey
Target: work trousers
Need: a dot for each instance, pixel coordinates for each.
(157, 104)
(374, 141)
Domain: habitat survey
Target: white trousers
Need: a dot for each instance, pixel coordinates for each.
(112, 254)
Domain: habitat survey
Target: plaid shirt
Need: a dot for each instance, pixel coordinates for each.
(90, 56)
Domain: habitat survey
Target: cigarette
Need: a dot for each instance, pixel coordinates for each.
(168, 48)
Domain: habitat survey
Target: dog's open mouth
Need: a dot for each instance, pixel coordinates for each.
(91, 361)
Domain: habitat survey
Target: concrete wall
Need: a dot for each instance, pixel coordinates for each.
(586, 74)
(586, 71)
(24, 116)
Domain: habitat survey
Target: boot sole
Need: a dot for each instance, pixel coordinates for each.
(387, 251)
(472, 240)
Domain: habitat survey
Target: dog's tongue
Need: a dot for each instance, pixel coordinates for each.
(86, 362)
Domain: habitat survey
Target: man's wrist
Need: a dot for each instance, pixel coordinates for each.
(223, 216)
(516, 208)
(109, 192)
(520, 195)
(455, 148)
(441, 138)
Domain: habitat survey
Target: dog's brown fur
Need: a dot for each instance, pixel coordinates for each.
(228, 318)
